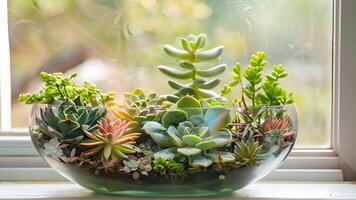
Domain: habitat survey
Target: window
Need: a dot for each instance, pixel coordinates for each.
(69, 35)
(123, 39)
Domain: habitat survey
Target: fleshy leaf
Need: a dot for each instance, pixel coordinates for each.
(200, 161)
(217, 118)
(173, 118)
(158, 133)
(172, 134)
(190, 105)
(221, 157)
(205, 145)
(191, 139)
(188, 151)
(166, 154)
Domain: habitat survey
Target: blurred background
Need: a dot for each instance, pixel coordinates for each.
(117, 44)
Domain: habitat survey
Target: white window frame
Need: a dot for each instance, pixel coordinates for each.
(18, 156)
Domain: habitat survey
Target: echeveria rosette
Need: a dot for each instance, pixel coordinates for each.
(139, 107)
(67, 121)
(192, 132)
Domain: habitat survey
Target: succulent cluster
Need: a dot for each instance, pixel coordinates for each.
(140, 107)
(192, 133)
(189, 131)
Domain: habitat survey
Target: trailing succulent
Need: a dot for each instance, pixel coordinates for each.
(188, 58)
(189, 131)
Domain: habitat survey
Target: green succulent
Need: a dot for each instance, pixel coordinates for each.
(142, 165)
(248, 153)
(190, 132)
(273, 93)
(261, 91)
(61, 88)
(193, 52)
(68, 120)
(167, 166)
(141, 108)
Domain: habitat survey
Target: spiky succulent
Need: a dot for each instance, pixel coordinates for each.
(67, 121)
(277, 130)
(192, 132)
(192, 53)
(140, 107)
(248, 153)
(112, 140)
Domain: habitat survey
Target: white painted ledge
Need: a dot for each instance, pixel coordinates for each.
(260, 191)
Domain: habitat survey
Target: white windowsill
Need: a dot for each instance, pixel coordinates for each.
(261, 190)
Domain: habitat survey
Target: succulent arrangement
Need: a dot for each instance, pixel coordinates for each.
(191, 130)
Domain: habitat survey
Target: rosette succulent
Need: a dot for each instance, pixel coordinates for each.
(248, 153)
(67, 121)
(277, 130)
(193, 133)
(140, 107)
(112, 141)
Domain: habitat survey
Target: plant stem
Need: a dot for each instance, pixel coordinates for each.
(59, 90)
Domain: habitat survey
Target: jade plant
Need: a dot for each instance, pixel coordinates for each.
(189, 131)
(192, 54)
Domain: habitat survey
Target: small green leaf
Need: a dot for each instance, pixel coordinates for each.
(166, 154)
(210, 84)
(176, 53)
(210, 54)
(173, 118)
(212, 71)
(158, 133)
(173, 135)
(207, 93)
(187, 65)
(205, 145)
(221, 157)
(191, 140)
(217, 118)
(175, 85)
(200, 161)
(196, 120)
(174, 73)
(190, 105)
(186, 45)
(189, 151)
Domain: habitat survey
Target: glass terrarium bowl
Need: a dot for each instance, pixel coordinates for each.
(273, 128)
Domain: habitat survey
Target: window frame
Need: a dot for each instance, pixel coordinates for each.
(17, 142)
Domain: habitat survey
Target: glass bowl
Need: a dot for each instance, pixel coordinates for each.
(272, 129)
